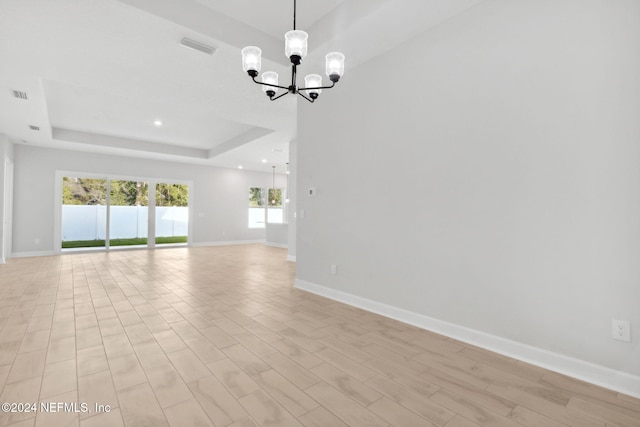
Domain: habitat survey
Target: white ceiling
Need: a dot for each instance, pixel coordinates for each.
(98, 73)
(274, 17)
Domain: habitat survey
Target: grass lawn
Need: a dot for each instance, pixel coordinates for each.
(171, 239)
(121, 242)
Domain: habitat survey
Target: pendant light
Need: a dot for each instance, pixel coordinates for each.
(287, 188)
(273, 188)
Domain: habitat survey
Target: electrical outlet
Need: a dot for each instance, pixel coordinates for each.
(334, 269)
(621, 330)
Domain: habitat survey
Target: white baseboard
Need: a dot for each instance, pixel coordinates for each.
(31, 254)
(227, 243)
(291, 258)
(586, 371)
(277, 245)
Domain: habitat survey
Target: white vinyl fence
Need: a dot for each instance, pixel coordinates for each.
(80, 222)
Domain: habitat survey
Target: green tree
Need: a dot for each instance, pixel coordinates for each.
(84, 191)
(275, 197)
(172, 195)
(255, 198)
(91, 191)
(67, 193)
(129, 193)
(95, 190)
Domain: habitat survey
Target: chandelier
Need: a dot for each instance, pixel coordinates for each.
(295, 48)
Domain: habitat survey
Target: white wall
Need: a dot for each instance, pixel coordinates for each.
(219, 196)
(487, 174)
(277, 235)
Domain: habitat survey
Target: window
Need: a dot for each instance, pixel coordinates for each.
(265, 206)
(256, 208)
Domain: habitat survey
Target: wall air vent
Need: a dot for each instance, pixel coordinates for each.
(19, 94)
(192, 44)
(33, 127)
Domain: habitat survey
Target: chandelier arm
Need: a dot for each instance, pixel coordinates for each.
(319, 87)
(308, 99)
(268, 84)
(280, 96)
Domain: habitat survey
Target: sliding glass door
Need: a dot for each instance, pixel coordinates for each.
(104, 213)
(128, 213)
(84, 212)
(172, 213)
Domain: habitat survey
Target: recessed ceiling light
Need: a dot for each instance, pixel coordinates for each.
(157, 123)
(240, 167)
(264, 160)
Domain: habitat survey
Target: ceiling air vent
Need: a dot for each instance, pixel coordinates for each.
(19, 94)
(33, 127)
(192, 44)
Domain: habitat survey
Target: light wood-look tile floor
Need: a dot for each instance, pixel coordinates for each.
(219, 336)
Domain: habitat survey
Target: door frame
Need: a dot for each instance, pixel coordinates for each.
(7, 215)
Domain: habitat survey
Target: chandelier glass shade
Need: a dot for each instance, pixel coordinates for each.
(295, 43)
(251, 58)
(295, 48)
